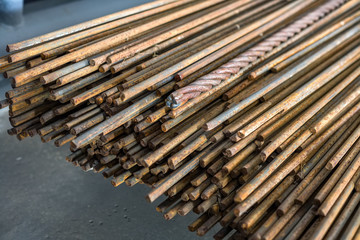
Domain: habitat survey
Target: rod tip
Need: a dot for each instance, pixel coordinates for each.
(238, 198)
(13, 82)
(321, 213)
(113, 183)
(207, 127)
(113, 70)
(241, 134)
(244, 225)
(101, 69)
(329, 166)
(92, 62)
(280, 212)
(263, 156)
(228, 153)
(252, 76)
(260, 137)
(73, 145)
(43, 56)
(237, 212)
(148, 198)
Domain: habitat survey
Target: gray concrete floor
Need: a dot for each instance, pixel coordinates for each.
(44, 197)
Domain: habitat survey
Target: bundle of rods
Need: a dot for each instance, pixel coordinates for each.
(246, 112)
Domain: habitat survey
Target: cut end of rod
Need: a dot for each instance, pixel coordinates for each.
(92, 62)
(228, 153)
(57, 143)
(275, 69)
(237, 212)
(244, 170)
(171, 165)
(244, 225)
(74, 102)
(114, 183)
(113, 70)
(159, 210)
(177, 77)
(241, 133)
(321, 213)
(43, 80)
(73, 145)
(43, 56)
(108, 60)
(9, 48)
(227, 133)
(256, 236)
(149, 199)
(329, 166)
(144, 163)
(299, 177)
(263, 156)
(172, 114)
(280, 212)
(312, 130)
(149, 119)
(192, 197)
(213, 139)
(167, 216)
(117, 102)
(5, 74)
(140, 67)
(121, 87)
(357, 186)
(316, 202)
(260, 137)
(181, 212)
(59, 82)
(122, 96)
(225, 97)
(224, 171)
(136, 129)
(238, 198)
(143, 143)
(10, 59)
(101, 69)
(14, 82)
(28, 101)
(252, 76)
(208, 126)
(105, 175)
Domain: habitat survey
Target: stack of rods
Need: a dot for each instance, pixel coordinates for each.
(244, 112)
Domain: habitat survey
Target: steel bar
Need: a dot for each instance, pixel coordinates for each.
(246, 113)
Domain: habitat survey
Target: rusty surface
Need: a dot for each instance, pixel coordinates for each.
(232, 67)
(243, 112)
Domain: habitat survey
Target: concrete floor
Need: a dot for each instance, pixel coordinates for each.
(43, 196)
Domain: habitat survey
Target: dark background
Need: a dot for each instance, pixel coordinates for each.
(44, 197)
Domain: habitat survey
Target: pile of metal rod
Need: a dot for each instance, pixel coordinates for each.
(244, 112)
